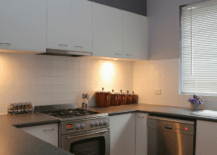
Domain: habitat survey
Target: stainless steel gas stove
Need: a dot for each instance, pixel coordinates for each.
(81, 132)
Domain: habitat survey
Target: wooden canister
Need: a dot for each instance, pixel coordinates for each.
(123, 98)
(129, 98)
(115, 98)
(103, 98)
(135, 98)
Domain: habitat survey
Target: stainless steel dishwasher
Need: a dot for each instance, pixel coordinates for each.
(170, 136)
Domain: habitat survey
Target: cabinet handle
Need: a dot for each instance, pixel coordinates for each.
(49, 130)
(140, 117)
(79, 46)
(117, 54)
(63, 45)
(5, 44)
(128, 55)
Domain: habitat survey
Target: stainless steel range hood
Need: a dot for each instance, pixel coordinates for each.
(66, 53)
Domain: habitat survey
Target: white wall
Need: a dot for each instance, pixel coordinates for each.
(153, 75)
(162, 70)
(164, 38)
(46, 80)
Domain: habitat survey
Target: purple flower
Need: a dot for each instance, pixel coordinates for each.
(193, 100)
(200, 102)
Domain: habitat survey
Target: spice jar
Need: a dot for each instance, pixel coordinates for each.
(15, 108)
(25, 107)
(19, 108)
(11, 108)
(30, 107)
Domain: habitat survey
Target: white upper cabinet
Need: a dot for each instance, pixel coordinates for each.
(81, 25)
(23, 25)
(59, 23)
(135, 36)
(107, 31)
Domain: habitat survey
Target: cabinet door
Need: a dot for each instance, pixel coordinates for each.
(82, 25)
(135, 36)
(107, 31)
(59, 24)
(206, 138)
(122, 134)
(141, 134)
(23, 25)
(47, 133)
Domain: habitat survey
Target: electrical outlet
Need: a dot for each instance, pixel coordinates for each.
(158, 92)
(85, 96)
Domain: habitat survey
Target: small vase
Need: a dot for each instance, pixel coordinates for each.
(196, 106)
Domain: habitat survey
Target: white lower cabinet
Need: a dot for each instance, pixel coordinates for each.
(47, 133)
(122, 134)
(141, 133)
(206, 138)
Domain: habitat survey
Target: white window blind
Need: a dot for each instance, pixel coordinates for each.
(198, 55)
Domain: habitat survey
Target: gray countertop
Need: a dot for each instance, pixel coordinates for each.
(17, 142)
(154, 110)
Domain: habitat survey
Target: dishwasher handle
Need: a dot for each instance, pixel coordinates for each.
(170, 127)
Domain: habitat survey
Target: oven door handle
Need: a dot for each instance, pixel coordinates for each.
(69, 137)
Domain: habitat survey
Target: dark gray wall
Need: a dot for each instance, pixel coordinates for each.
(135, 6)
(164, 34)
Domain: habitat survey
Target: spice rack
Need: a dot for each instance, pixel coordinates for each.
(20, 108)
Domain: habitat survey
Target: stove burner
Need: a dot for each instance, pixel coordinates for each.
(67, 113)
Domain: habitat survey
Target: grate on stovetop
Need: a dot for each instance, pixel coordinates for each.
(67, 113)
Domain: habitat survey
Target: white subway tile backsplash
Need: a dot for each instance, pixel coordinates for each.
(56, 63)
(63, 64)
(56, 73)
(62, 72)
(40, 63)
(48, 63)
(49, 72)
(69, 72)
(40, 97)
(63, 80)
(53, 80)
(41, 80)
(49, 80)
(55, 97)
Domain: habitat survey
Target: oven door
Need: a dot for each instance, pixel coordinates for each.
(95, 142)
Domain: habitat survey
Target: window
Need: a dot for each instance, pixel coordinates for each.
(198, 54)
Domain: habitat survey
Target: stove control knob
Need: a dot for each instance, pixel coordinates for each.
(77, 126)
(82, 126)
(96, 123)
(100, 123)
(91, 124)
(105, 122)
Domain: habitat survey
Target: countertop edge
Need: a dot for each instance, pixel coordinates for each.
(36, 123)
(186, 115)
